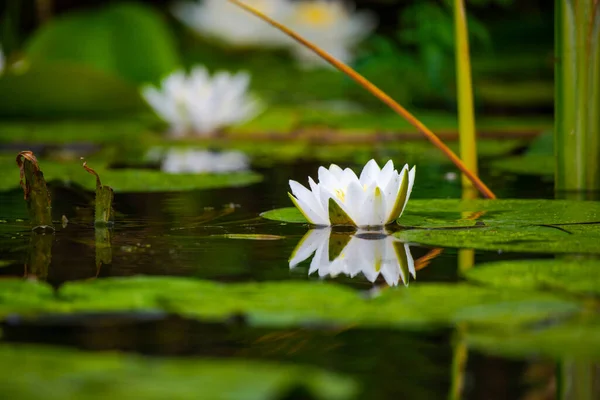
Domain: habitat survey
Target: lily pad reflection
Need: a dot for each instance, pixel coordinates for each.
(367, 252)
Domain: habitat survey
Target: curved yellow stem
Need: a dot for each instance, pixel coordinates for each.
(361, 80)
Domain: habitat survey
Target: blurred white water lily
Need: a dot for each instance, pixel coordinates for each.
(376, 198)
(200, 104)
(178, 161)
(334, 26)
(229, 23)
(369, 253)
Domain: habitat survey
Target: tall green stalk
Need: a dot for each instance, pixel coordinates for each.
(577, 99)
(464, 86)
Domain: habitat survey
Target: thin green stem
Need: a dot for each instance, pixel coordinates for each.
(464, 87)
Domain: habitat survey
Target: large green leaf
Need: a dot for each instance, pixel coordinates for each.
(435, 213)
(60, 90)
(582, 238)
(124, 180)
(129, 40)
(298, 303)
(575, 275)
(71, 374)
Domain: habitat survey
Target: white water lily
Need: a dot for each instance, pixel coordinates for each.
(229, 23)
(200, 104)
(334, 26)
(369, 253)
(376, 198)
(179, 161)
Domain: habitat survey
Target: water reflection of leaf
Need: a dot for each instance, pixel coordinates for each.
(369, 253)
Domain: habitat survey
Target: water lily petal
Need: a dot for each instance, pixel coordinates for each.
(354, 200)
(320, 261)
(391, 194)
(401, 197)
(411, 182)
(374, 207)
(390, 270)
(336, 171)
(327, 179)
(386, 174)
(411, 261)
(337, 214)
(349, 177)
(405, 260)
(369, 173)
(309, 245)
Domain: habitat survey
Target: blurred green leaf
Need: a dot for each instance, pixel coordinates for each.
(128, 40)
(125, 179)
(67, 373)
(283, 304)
(580, 276)
(61, 90)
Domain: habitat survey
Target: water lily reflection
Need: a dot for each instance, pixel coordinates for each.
(367, 252)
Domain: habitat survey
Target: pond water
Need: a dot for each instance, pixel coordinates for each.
(204, 235)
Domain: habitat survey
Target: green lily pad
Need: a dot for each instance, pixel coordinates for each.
(130, 130)
(125, 180)
(435, 213)
(281, 304)
(538, 160)
(532, 239)
(140, 180)
(534, 164)
(568, 275)
(64, 90)
(115, 375)
(127, 40)
(577, 340)
(22, 296)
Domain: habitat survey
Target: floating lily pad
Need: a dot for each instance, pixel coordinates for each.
(114, 375)
(579, 276)
(576, 340)
(140, 180)
(129, 131)
(533, 239)
(437, 213)
(125, 180)
(281, 304)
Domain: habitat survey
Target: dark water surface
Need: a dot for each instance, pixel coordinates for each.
(181, 234)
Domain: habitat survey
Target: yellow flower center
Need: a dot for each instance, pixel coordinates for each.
(340, 194)
(315, 14)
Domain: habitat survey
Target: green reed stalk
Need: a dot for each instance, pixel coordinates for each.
(577, 99)
(464, 88)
